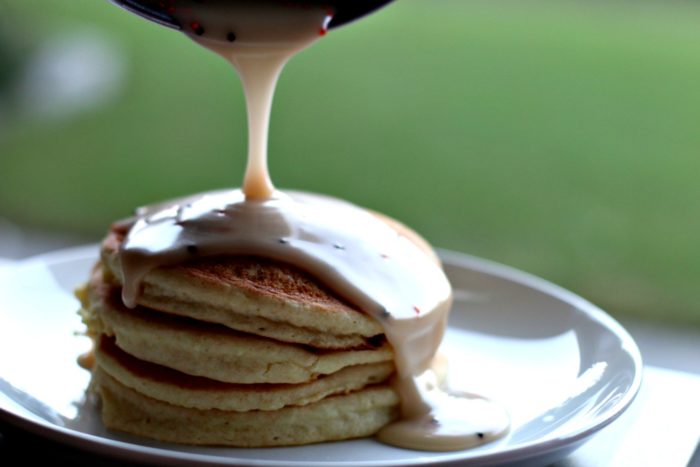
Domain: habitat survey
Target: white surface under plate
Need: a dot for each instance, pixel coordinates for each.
(563, 368)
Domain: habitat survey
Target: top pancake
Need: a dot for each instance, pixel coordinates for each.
(249, 294)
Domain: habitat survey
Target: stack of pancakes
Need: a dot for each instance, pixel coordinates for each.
(237, 351)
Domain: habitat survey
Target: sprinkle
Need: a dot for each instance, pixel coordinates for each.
(338, 246)
(231, 36)
(322, 31)
(480, 435)
(192, 249)
(416, 309)
(283, 241)
(197, 28)
(385, 314)
(384, 256)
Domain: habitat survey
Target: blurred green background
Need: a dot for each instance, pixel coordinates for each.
(560, 137)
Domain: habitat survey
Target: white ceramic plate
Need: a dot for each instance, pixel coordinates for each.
(562, 367)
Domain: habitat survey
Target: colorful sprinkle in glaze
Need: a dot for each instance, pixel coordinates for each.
(197, 28)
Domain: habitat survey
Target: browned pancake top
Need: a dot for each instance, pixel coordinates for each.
(255, 274)
(265, 276)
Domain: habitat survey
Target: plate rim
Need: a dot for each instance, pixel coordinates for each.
(582, 305)
(570, 441)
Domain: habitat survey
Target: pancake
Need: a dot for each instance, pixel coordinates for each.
(212, 351)
(354, 415)
(237, 351)
(167, 385)
(249, 294)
